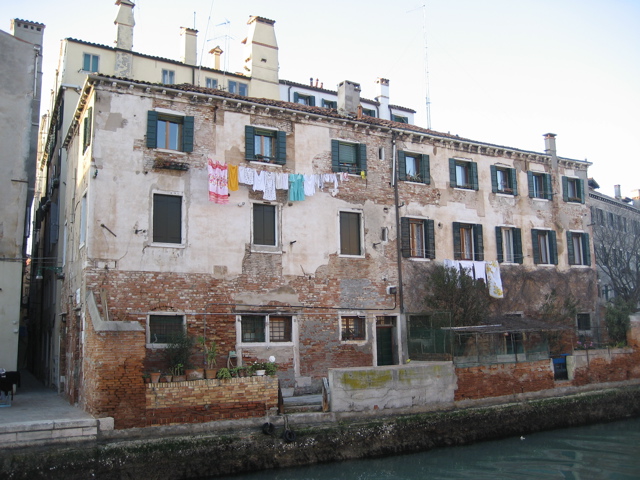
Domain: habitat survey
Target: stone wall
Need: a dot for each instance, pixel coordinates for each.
(397, 386)
(603, 365)
(198, 401)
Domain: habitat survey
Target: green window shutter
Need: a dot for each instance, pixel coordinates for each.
(402, 165)
(530, 183)
(452, 174)
(586, 249)
(517, 245)
(565, 189)
(474, 175)
(478, 243)
(499, 244)
(535, 243)
(570, 249)
(362, 156)
(494, 178)
(553, 247)
(405, 237)
(457, 248)
(546, 180)
(296, 97)
(580, 184)
(281, 147)
(152, 129)
(431, 239)
(167, 218)
(249, 143)
(335, 156)
(350, 233)
(187, 134)
(426, 169)
(312, 101)
(264, 224)
(514, 181)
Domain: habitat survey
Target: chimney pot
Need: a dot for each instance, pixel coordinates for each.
(617, 192)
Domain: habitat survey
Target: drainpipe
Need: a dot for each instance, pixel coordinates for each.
(396, 200)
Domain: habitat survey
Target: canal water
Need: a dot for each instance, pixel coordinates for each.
(602, 451)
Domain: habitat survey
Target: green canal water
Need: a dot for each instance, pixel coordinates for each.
(602, 451)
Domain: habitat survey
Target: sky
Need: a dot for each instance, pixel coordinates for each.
(499, 71)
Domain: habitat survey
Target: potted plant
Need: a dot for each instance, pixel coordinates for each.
(210, 353)
(264, 368)
(177, 371)
(177, 354)
(224, 374)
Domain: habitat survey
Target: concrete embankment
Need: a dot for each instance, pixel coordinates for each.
(208, 450)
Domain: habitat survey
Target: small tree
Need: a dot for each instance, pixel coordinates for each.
(617, 320)
(466, 298)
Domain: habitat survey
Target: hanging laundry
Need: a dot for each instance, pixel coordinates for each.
(232, 177)
(282, 181)
(269, 186)
(258, 181)
(309, 185)
(296, 187)
(494, 280)
(245, 175)
(218, 184)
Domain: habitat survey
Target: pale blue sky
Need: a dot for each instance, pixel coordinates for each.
(501, 71)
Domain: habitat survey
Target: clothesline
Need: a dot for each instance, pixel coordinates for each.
(227, 178)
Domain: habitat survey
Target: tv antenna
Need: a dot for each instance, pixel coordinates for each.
(426, 62)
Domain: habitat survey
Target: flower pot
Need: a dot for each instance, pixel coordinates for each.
(211, 372)
(168, 378)
(155, 377)
(179, 378)
(195, 374)
(260, 373)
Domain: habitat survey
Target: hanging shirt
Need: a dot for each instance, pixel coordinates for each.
(245, 175)
(282, 181)
(309, 185)
(233, 177)
(269, 186)
(258, 181)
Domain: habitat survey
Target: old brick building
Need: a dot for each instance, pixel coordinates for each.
(283, 229)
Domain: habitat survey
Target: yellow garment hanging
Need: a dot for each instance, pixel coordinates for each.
(232, 177)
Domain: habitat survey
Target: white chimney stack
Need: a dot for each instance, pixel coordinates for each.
(617, 192)
(348, 97)
(216, 52)
(125, 23)
(189, 46)
(383, 98)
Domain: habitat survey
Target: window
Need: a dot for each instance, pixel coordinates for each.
(167, 218)
(539, 185)
(348, 157)
(350, 233)
(413, 167)
(572, 189)
(90, 63)
(545, 249)
(168, 77)
(509, 244)
(86, 130)
(418, 238)
(264, 224)
(368, 112)
(259, 328)
(353, 328)
(503, 180)
(514, 343)
(263, 145)
(463, 174)
(467, 242)
(171, 132)
(211, 82)
(163, 327)
(578, 248)
(400, 118)
(584, 321)
(239, 88)
(304, 99)
(329, 104)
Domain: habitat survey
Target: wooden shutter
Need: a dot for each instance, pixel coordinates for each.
(452, 175)
(514, 181)
(565, 189)
(580, 187)
(187, 134)
(585, 249)
(546, 181)
(281, 147)
(167, 218)
(553, 247)
(362, 156)
(152, 129)
(530, 181)
(249, 143)
(478, 243)
(350, 233)
(312, 101)
(402, 165)
(430, 241)
(425, 169)
(473, 173)
(457, 247)
(296, 97)
(570, 249)
(264, 224)
(405, 237)
(335, 156)
(535, 243)
(517, 245)
(494, 178)
(499, 247)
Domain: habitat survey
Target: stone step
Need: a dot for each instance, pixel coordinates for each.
(303, 404)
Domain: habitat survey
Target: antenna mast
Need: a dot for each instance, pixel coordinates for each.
(426, 65)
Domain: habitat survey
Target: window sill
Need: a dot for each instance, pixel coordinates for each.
(265, 344)
(415, 182)
(167, 245)
(465, 189)
(362, 341)
(505, 194)
(156, 346)
(419, 259)
(545, 265)
(343, 255)
(539, 199)
(579, 266)
(167, 150)
(258, 162)
(276, 249)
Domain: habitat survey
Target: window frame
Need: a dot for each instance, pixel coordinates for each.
(94, 61)
(148, 333)
(516, 244)
(580, 323)
(211, 82)
(266, 337)
(238, 88)
(542, 191)
(578, 241)
(369, 112)
(551, 245)
(170, 75)
(409, 226)
(337, 163)
(471, 169)
(359, 328)
(185, 129)
(87, 125)
(265, 247)
(279, 145)
(156, 237)
(400, 118)
(422, 167)
(509, 186)
(475, 238)
(329, 103)
(304, 99)
(346, 214)
(575, 186)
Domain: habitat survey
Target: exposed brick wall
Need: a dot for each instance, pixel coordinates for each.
(606, 366)
(207, 400)
(503, 379)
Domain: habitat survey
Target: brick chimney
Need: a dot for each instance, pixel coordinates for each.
(189, 46)
(348, 97)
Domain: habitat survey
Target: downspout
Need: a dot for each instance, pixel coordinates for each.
(396, 195)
